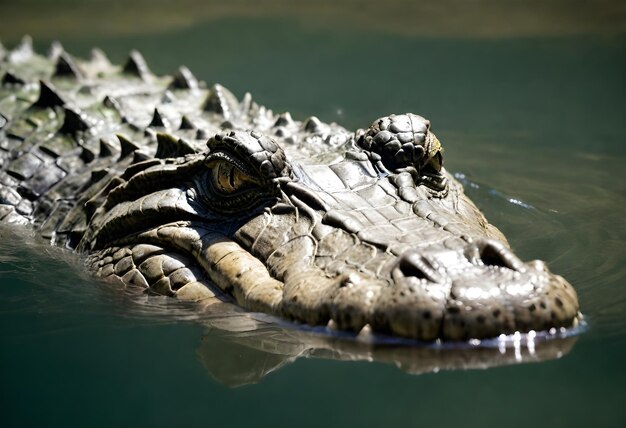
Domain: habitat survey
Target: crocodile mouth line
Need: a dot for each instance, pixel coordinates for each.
(503, 342)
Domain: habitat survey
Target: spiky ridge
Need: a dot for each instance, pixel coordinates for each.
(69, 126)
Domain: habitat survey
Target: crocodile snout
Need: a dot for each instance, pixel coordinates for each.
(480, 292)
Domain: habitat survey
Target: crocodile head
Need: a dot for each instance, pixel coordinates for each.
(372, 235)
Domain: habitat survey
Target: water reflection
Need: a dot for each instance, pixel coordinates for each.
(240, 348)
(251, 350)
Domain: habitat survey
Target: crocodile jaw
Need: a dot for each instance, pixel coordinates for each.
(473, 300)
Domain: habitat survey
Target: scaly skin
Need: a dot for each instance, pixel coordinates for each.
(162, 183)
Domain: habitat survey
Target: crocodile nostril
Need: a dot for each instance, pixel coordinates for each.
(417, 266)
(491, 257)
(493, 253)
(411, 269)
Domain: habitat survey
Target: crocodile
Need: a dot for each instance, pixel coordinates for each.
(180, 188)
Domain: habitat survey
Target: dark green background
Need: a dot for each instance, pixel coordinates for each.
(532, 110)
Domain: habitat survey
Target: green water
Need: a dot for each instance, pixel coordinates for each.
(536, 118)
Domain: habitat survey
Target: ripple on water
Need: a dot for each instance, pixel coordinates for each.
(571, 215)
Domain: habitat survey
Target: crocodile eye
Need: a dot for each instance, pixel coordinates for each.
(228, 178)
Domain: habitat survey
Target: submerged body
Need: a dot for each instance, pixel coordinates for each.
(163, 183)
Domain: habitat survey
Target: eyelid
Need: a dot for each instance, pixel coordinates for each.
(228, 177)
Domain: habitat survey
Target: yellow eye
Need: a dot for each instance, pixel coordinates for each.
(228, 178)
